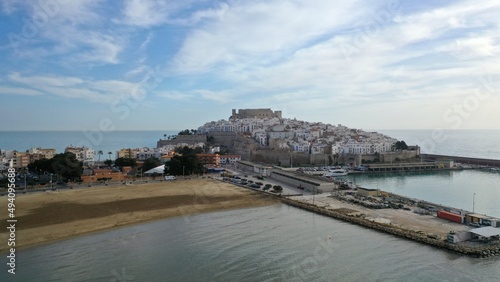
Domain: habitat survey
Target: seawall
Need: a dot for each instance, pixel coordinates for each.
(477, 252)
(465, 160)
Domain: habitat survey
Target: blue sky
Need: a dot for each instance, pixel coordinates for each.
(162, 65)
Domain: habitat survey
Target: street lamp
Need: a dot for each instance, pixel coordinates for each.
(473, 202)
(314, 190)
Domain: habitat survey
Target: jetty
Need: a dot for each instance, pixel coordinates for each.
(422, 221)
(463, 160)
(347, 215)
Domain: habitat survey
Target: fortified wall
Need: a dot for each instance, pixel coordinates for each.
(289, 158)
(188, 139)
(254, 113)
(234, 142)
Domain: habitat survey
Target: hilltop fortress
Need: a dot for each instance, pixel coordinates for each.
(254, 113)
(263, 135)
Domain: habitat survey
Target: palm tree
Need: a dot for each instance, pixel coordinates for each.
(164, 136)
(99, 153)
(110, 153)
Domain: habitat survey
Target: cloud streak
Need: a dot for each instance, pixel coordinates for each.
(308, 57)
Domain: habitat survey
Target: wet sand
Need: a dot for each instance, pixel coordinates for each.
(50, 216)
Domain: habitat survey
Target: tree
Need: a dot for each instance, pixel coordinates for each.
(99, 153)
(108, 162)
(165, 136)
(110, 153)
(185, 164)
(121, 162)
(67, 166)
(400, 145)
(150, 163)
(39, 166)
(188, 132)
(64, 165)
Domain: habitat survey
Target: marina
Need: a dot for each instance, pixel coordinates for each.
(427, 220)
(485, 250)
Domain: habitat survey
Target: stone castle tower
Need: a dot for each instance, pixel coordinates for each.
(254, 113)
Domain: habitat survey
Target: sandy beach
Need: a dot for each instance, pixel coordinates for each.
(49, 216)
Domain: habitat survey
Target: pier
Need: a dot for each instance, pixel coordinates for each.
(464, 160)
(384, 167)
(482, 251)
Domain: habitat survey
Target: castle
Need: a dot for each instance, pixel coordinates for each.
(254, 113)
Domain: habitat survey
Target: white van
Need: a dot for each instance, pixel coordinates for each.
(170, 177)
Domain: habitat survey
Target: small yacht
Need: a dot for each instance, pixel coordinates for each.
(336, 172)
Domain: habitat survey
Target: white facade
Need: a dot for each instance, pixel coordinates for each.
(229, 159)
(261, 137)
(298, 135)
(318, 148)
(6, 158)
(302, 146)
(82, 154)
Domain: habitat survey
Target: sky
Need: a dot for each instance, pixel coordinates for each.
(165, 65)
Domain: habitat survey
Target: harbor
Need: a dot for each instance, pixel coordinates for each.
(412, 229)
(374, 200)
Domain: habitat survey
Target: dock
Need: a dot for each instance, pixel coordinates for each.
(399, 230)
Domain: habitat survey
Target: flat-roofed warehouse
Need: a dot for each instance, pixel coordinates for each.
(299, 180)
(487, 232)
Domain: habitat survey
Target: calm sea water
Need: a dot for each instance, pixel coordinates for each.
(463, 143)
(451, 188)
(277, 243)
(59, 140)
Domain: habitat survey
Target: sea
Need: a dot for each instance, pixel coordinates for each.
(464, 143)
(106, 141)
(274, 243)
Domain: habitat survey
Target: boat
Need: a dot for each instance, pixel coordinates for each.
(336, 172)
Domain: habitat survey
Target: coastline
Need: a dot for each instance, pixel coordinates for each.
(405, 230)
(51, 216)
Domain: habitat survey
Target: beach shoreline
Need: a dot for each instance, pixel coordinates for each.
(48, 217)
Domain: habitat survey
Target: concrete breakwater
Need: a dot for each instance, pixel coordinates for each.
(473, 251)
(465, 160)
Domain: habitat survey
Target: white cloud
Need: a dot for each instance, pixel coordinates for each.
(260, 32)
(103, 48)
(145, 13)
(297, 55)
(55, 81)
(70, 32)
(471, 48)
(101, 91)
(149, 13)
(215, 96)
(9, 6)
(174, 95)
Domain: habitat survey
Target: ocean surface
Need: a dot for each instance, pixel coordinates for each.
(464, 143)
(471, 190)
(111, 141)
(276, 243)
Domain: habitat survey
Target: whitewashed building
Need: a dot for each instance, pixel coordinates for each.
(229, 159)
